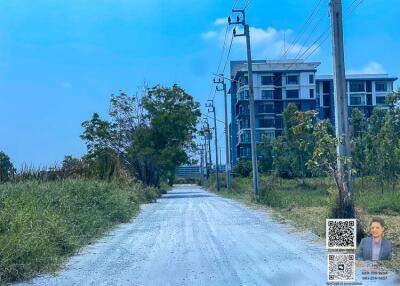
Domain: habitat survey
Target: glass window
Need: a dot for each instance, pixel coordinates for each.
(266, 108)
(245, 137)
(244, 123)
(292, 79)
(355, 100)
(311, 78)
(266, 122)
(244, 80)
(317, 88)
(380, 100)
(267, 80)
(357, 86)
(311, 93)
(245, 152)
(267, 94)
(244, 95)
(292, 93)
(381, 86)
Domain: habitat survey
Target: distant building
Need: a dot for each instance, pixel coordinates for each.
(193, 171)
(279, 83)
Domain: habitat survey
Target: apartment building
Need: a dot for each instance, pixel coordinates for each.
(279, 83)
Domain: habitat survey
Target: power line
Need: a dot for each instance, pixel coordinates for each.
(317, 24)
(223, 51)
(247, 4)
(303, 28)
(219, 120)
(325, 35)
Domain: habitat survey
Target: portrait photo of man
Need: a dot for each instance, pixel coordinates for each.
(375, 247)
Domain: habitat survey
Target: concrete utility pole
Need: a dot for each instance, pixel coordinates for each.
(212, 107)
(251, 95)
(205, 154)
(201, 165)
(227, 153)
(341, 104)
(207, 142)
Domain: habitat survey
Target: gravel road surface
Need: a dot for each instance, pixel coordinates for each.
(192, 238)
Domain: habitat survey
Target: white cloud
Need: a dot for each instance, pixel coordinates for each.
(266, 43)
(220, 21)
(372, 68)
(209, 35)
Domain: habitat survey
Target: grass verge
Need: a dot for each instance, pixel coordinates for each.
(306, 205)
(43, 223)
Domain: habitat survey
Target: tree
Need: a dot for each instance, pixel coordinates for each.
(158, 148)
(375, 165)
(299, 144)
(102, 145)
(265, 149)
(389, 148)
(72, 167)
(7, 170)
(325, 159)
(359, 126)
(243, 168)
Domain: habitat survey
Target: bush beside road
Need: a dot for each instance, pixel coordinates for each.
(43, 223)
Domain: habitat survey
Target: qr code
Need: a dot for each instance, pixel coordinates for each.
(341, 267)
(341, 234)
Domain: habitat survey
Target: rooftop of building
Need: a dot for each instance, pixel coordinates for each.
(274, 66)
(297, 65)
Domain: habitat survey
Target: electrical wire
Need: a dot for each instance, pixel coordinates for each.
(317, 7)
(247, 4)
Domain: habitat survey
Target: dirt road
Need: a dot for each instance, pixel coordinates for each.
(193, 238)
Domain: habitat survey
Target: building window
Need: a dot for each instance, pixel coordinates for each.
(380, 100)
(311, 93)
(267, 94)
(244, 95)
(245, 152)
(292, 93)
(311, 78)
(243, 110)
(245, 137)
(266, 108)
(381, 86)
(244, 123)
(267, 80)
(266, 123)
(292, 79)
(244, 80)
(355, 100)
(357, 86)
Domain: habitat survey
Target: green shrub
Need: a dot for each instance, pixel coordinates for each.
(243, 168)
(42, 223)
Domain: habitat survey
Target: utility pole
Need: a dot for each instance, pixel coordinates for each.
(201, 165)
(221, 80)
(341, 109)
(205, 153)
(207, 142)
(212, 107)
(251, 94)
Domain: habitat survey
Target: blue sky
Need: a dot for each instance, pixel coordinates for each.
(61, 60)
